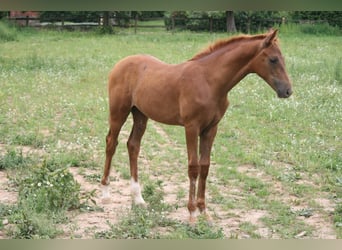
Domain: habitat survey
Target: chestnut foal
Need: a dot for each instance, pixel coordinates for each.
(192, 94)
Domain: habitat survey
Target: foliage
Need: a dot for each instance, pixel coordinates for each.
(28, 139)
(45, 192)
(71, 16)
(180, 19)
(246, 21)
(8, 32)
(201, 230)
(3, 14)
(256, 21)
(198, 20)
(154, 196)
(31, 224)
(102, 30)
(312, 22)
(338, 217)
(333, 18)
(320, 29)
(13, 159)
(50, 187)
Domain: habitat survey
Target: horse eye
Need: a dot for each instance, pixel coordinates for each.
(273, 60)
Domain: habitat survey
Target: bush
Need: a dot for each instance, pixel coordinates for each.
(103, 30)
(202, 230)
(338, 217)
(45, 193)
(50, 188)
(8, 32)
(320, 29)
(179, 21)
(13, 159)
(323, 29)
(32, 225)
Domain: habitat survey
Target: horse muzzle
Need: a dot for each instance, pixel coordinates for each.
(283, 89)
(286, 93)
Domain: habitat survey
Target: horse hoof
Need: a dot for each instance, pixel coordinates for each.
(105, 194)
(205, 217)
(106, 200)
(140, 203)
(192, 219)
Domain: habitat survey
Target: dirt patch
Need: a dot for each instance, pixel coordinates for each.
(175, 185)
(85, 224)
(320, 220)
(25, 150)
(6, 195)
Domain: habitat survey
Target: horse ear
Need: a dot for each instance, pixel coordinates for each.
(271, 36)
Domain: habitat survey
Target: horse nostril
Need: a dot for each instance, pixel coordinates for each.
(289, 92)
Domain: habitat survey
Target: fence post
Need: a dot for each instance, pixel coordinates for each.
(27, 21)
(135, 24)
(211, 24)
(283, 20)
(249, 25)
(172, 23)
(63, 18)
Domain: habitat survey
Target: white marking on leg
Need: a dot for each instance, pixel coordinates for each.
(193, 217)
(105, 194)
(136, 193)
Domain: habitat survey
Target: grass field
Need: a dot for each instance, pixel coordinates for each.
(276, 164)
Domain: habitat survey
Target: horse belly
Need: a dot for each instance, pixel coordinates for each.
(159, 106)
(160, 111)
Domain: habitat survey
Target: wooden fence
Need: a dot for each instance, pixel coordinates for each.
(171, 23)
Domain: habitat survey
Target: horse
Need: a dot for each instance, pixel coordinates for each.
(192, 94)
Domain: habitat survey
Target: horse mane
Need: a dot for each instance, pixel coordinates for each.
(224, 42)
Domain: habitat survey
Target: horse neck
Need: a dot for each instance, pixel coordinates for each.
(229, 65)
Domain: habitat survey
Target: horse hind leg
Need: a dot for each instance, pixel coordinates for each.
(133, 146)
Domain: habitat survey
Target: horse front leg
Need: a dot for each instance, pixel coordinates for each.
(111, 144)
(206, 142)
(193, 169)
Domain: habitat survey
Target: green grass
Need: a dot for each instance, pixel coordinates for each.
(13, 159)
(8, 32)
(53, 98)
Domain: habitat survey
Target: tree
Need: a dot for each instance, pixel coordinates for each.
(106, 18)
(230, 20)
(333, 18)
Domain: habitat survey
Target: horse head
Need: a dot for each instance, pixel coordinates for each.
(269, 64)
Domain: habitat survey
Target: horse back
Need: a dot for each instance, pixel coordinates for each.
(149, 84)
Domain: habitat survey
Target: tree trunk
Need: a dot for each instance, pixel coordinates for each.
(231, 28)
(106, 18)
